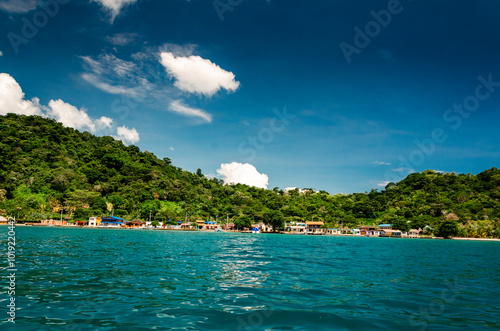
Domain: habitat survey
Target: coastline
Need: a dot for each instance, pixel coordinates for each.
(476, 239)
(249, 232)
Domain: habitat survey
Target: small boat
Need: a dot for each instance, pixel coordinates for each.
(219, 230)
(255, 230)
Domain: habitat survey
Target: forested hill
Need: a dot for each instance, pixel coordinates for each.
(46, 167)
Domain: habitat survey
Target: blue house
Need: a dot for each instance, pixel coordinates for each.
(112, 221)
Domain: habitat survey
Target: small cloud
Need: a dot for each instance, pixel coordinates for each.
(127, 135)
(383, 184)
(178, 107)
(381, 163)
(235, 172)
(385, 54)
(172, 149)
(114, 6)
(18, 6)
(122, 39)
(194, 74)
(307, 112)
(404, 169)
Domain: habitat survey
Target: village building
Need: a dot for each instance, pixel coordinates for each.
(135, 224)
(345, 231)
(112, 222)
(299, 228)
(94, 221)
(385, 226)
(52, 222)
(390, 233)
(314, 227)
(332, 231)
(413, 233)
(367, 230)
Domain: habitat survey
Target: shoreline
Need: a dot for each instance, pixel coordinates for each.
(247, 232)
(476, 239)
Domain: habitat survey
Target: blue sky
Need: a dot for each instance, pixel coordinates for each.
(270, 93)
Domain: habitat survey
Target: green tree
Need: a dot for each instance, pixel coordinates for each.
(274, 219)
(447, 229)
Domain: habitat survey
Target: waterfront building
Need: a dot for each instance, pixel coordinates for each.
(136, 224)
(300, 228)
(390, 233)
(112, 222)
(385, 226)
(367, 230)
(94, 221)
(314, 227)
(332, 231)
(54, 222)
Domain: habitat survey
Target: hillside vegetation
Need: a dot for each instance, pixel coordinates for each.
(47, 167)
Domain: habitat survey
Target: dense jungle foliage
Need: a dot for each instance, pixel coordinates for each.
(47, 168)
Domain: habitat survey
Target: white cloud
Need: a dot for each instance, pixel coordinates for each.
(381, 163)
(18, 6)
(108, 88)
(242, 173)
(144, 79)
(116, 76)
(178, 107)
(127, 135)
(12, 98)
(197, 75)
(112, 64)
(114, 6)
(72, 117)
(12, 101)
(383, 184)
(122, 39)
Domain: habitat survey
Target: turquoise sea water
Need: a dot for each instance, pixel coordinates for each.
(96, 279)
